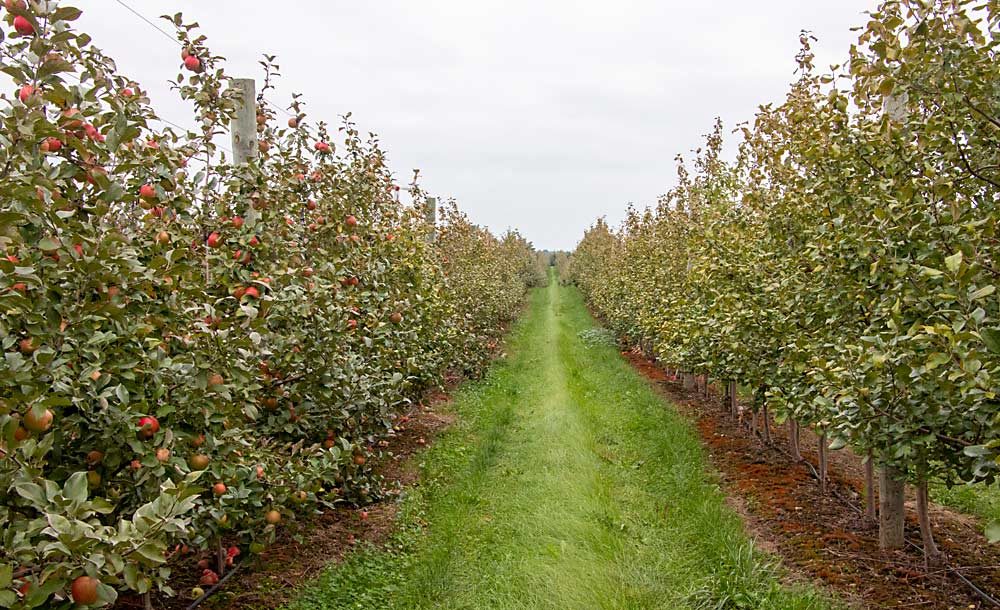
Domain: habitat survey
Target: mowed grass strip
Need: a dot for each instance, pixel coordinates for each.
(568, 483)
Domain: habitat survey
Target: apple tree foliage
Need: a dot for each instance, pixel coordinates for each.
(189, 344)
(843, 265)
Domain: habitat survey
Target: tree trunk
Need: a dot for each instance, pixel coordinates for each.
(793, 438)
(871, 513)
(706, 386)
(891, 509)
(221, 557)
(931, 552)
(822, 462)
(766, 428)
(732, 398)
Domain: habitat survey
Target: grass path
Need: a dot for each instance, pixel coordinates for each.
(567, 484)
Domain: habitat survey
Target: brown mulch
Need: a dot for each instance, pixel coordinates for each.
(306, 546)
(825, 538)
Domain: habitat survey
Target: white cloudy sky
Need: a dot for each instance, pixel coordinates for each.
(535, 114)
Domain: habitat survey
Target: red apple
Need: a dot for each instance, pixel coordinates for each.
(208, 577)
(322, 147)
(214, 240)
(23, 26)
(27, 345)
(162, 454)
(84, 590)
(396, 317)
(25, 93)
(148, 426)
(252, 292)
(146, 191)
(351, 221)
(192, 63)
(219, 488)
(237, 222)
(38, 423)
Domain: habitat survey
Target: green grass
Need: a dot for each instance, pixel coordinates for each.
(567, 484)
(980, 500)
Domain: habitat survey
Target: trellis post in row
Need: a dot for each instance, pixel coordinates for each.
(244, 123)
(430, 215)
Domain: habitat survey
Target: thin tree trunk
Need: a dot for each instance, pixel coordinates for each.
(822, 462)
(706, 386)
(221, 558)
(871, 512)
(891, 509)
(732, 398)
(931, 552)
(766, 419)
(793, 438)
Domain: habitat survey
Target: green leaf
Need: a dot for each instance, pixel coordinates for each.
(993, 532)
(976, 450)
(48, 244)
(6, 575)
(985, 291)
(31, 492)
(75, 488)
(991, 338)
(936, 359)
(66, 13)
(954, 261)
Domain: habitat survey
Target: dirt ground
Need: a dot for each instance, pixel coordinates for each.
(825, 538)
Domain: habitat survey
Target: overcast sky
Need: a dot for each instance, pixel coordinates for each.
(537, 115)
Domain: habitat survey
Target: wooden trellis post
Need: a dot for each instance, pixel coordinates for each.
(430, 215)
(244, 124)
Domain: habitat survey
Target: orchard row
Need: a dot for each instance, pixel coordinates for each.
(844, 265)
(195, 351)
